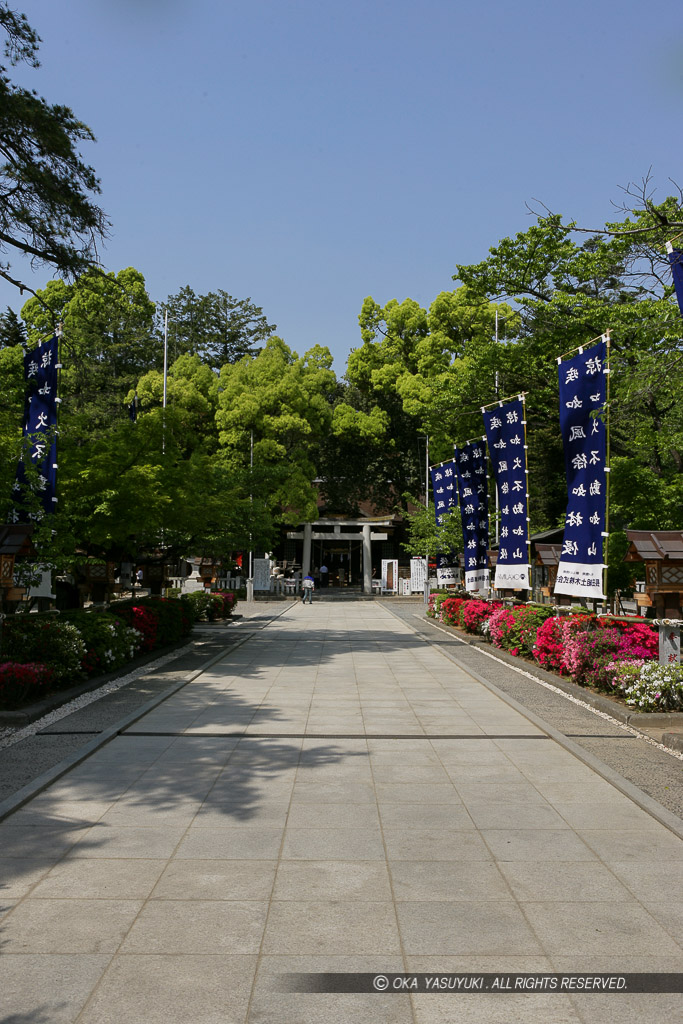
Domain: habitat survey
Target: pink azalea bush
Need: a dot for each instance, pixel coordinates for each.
(473, 614)
(549, 648)
(515, 629)
(17, 682)
(587, 654)
(450, 611)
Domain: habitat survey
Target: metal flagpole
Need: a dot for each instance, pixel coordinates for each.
(163, 436)
(496, 485)
(605, 549)
(251, 500)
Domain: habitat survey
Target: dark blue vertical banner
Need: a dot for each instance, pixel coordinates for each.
(40, 430)
(582, 403)
(676, 261)
(506, 435)
(474, 514)
(443, 487)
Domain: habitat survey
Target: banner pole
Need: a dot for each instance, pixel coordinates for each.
(605, 548)
(526, 481)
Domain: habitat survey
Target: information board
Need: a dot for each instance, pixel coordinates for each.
(389, 575)
(418, 574)
(261, 574)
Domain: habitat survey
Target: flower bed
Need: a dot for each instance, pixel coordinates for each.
(45, 640)
(19, 683)
(47, 652)
(109, 642)
(473, 614)
(610, 654)
(646, 685)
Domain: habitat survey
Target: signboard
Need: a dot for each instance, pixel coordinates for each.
(261, 574)
(418, 574)
(405, 587)
(389, 575)
(669, 644)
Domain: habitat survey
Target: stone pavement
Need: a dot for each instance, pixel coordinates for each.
(334, 795)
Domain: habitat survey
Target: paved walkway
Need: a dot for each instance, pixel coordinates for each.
(334, 795)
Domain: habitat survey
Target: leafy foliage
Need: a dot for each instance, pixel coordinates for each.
(47, 210)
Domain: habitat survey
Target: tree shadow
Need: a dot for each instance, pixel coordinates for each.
(156, 776)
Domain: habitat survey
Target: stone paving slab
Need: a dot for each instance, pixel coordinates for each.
(352, 801)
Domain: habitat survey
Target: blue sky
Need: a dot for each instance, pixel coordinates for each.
(309, 154)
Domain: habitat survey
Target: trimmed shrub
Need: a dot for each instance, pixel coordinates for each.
(552, 637)
(449, 611)
(515, 629)
(46, 640)
(19, 682)
(646, 685)
(473, 614)
(588, 653)
(109, 642)
(211, 605)
(436, 599)
(169, 616)
(139, 618)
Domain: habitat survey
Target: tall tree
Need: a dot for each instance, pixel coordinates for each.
(216, 327)
(47, 207)
(282, 401)
(108, 343)
(12, 330)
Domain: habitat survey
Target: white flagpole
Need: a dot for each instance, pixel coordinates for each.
(165, 353)
(163, 438)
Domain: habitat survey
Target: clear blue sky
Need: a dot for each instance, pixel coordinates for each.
(308, 153)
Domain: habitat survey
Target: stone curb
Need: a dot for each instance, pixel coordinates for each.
(673, 719)
(646, 803)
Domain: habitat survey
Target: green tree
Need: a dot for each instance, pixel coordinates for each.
(47, 210)
(216, 327)
(425, 537)
(108, 343)
(282, 400)
(12, 330)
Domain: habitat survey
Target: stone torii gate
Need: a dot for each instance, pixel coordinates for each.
(331, 530)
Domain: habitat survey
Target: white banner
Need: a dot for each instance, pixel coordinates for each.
(579, 579)
(512, 577)
(477, 579)
(447, 575)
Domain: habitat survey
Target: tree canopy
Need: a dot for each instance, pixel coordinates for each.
(48, 211)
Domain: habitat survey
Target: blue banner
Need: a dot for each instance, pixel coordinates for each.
(443, 487)
(676, 261)
(505, 433)
(473, 498)
(582, 394)
(40, 429)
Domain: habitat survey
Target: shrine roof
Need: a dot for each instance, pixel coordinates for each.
(655, 545)
(16, 539)
(548, 554)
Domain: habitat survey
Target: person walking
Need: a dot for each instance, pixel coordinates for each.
(307, 588)
(324, 575)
